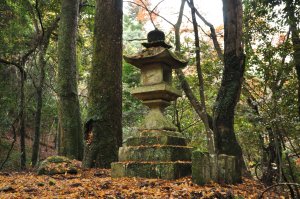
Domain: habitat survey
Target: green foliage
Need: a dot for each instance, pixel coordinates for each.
(133, 110)
(8, 98)
(15, 32)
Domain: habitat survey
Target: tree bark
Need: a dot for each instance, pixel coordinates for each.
(68, 104)
(39, 105)
(292, 20)
(229, 92)
(22, 122)
(103, 129)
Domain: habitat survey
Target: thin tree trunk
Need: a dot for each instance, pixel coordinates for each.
(229, 92)
(209, 132)
(71, 142)
(38, 113)
(184, 83)
(22, 123)
(39, 90)
(103, 130)
(177, 26)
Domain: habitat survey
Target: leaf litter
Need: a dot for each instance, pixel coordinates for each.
(97, 183)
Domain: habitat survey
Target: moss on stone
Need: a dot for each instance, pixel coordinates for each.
(164, 170)
(154, 140)
(155, 153)
(58, 165)
(212, 167)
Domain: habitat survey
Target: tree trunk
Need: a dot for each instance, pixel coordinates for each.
(39, 90)
(39, 105)
(22, 122)
(183, 82)
(103, 129)
(229, 92)
(209, 132)
(68, 105)
(296, 42)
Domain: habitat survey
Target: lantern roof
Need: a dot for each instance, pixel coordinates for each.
(157, 55)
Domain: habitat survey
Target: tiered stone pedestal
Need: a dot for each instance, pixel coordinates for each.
(154, 154)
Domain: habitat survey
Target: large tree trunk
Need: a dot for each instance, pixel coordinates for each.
(293, 20)
(103, 130)
(229, 92)
(71, 141)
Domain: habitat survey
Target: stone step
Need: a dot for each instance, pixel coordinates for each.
(162, 170)
(155, 140)
(155, 153)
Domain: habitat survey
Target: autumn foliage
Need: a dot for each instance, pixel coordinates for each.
(95, 183)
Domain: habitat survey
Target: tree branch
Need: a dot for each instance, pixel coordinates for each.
(39, 16)
(11, 146)
(152, 12)
(213, 35)
(276, 185)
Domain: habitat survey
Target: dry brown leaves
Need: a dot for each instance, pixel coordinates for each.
(96, 183)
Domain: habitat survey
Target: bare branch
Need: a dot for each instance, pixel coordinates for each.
(212, 30)
(149, 12)
(198, 26)
(14, 64)
(155, 13)
(157, 5)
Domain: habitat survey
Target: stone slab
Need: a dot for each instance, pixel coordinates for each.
(208, 168)
(162, 91)
(155, 140)
(155, 153)
(151, 132)
(162, 170)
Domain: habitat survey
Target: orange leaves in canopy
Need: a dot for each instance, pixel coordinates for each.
(142, 14)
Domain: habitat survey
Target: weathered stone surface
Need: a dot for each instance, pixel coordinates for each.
(152, 74)
(58, 165)
(211, 167)
(157, 55)
(156, 132)
(156, 120)
(201, 168)
(164, 170)
(155, 140)
(155, 153)
(157, 91)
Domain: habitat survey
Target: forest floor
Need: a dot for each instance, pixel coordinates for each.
(97, 183)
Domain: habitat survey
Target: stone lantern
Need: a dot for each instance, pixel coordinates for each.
(158, 151)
